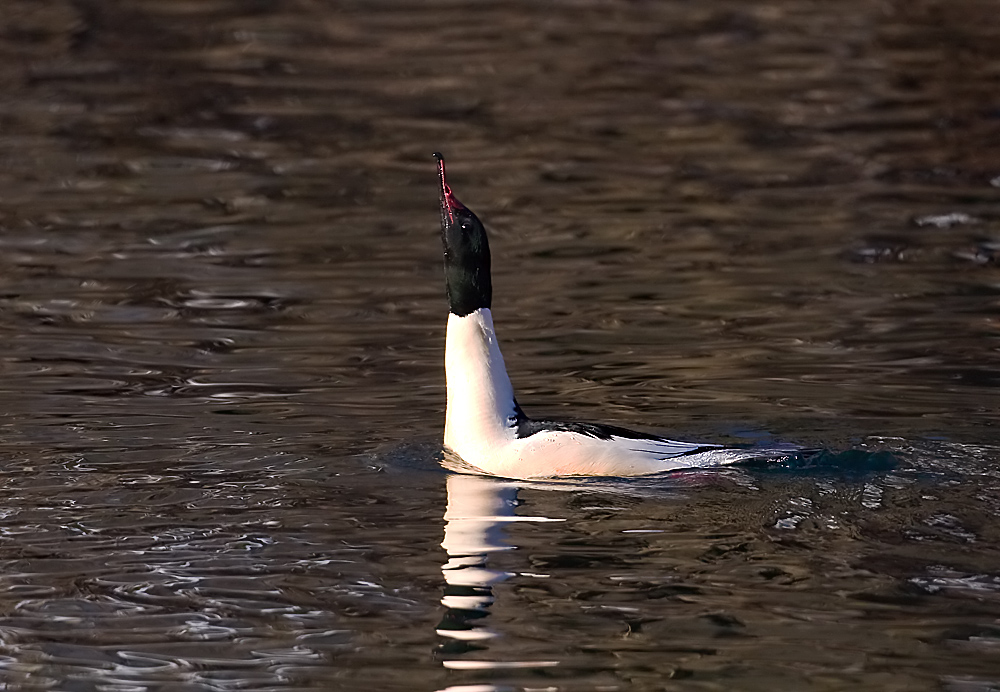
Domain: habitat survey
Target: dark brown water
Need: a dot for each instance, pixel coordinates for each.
(223, 320)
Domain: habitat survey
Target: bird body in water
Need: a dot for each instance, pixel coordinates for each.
(485, 426)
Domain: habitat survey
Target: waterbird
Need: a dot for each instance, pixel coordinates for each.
(484, 425)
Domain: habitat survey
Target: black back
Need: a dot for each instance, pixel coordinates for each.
(526, 427)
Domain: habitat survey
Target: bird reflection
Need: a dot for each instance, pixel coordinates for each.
(478, 507)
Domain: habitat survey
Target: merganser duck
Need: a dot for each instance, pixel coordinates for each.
(484, 425)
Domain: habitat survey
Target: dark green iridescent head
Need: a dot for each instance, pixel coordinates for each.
(466, 253)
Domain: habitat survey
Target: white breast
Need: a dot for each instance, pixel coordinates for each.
(480, 396)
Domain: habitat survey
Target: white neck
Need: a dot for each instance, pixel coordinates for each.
(480, 396)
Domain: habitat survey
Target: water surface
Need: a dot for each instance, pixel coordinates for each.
(223, 322)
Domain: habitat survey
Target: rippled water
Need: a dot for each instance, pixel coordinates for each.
(223, 321)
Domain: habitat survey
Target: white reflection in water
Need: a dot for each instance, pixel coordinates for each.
(478, 508)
